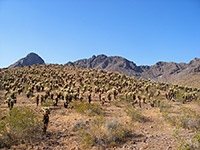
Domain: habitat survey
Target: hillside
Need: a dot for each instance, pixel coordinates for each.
(68, 107)
(161, 71)
(170, 72)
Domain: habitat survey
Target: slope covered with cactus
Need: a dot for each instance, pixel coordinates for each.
(68, 107)
(161, 71)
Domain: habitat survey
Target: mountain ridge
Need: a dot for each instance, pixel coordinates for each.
(160, 71)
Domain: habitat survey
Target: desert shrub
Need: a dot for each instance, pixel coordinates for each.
(104, 133)
(47, 103)
(182, 117)
(183, 145)
(192, 144)
(88, 109)
(197, 138)
(79, 125)
(135, 114)
(20, 125)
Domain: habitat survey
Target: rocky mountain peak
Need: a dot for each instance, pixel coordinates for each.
(30, 59)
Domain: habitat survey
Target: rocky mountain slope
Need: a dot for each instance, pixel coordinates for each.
(161, 71)
(30, 59)
(113, 64)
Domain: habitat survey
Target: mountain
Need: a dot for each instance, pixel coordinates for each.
(179, 73)
(161, 71)
(113, 64)
(30, 59)
(164, 71)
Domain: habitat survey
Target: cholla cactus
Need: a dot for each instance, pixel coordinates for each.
(89, 97)
(115, 93)
(153, 103)
(10, 102)
(46, 118)
(65, 103)
(102, 100)
(58, 94)
(42, 99)
(46, 110)
(133, 103)
(47, 90)
(109, 96)
(99, 96)
(139, 98)
(37, 87)
(6, 93)
(51, 95)
(158, 93)
(81, 97)
(19, 90)
(28, 94)
(55, 102)
(75, 95)
(37, 99)
(144, 99)
(133, 96)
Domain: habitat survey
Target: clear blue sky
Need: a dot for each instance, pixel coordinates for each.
(143, 31)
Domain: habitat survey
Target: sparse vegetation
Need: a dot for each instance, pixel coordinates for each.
(104, 133)
(88, 109)
(135, 114)
(107, 102)
(20, 125)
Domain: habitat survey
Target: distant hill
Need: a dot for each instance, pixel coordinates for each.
(161, 71)
(180, 73)
(30, 59)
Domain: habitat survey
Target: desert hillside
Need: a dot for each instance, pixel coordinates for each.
(162, 71)
(69, 107)
(170, 72)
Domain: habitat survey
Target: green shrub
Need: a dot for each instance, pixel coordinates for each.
(47, 103)
(197, 138)
(20, 125)
(183, 145)
(79, 125)
(194, 144)
(182, 117)
(88, 109)
(104, 133)
(135, 114)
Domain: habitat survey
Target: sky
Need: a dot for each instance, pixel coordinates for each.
(143, 31)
